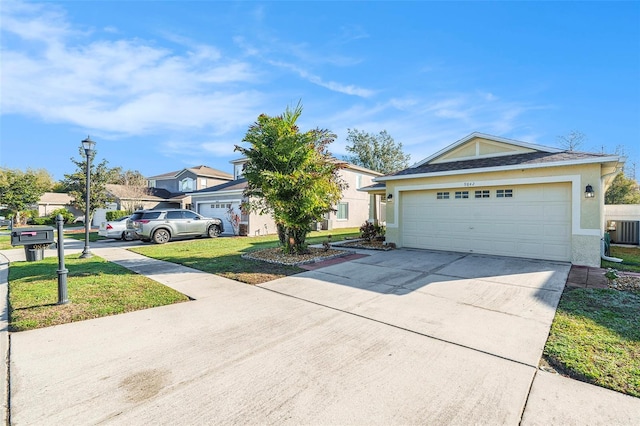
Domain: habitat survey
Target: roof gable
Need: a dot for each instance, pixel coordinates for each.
(478, 146)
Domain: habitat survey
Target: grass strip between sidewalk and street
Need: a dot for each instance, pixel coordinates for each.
(223, 256)
(595, 337)
(95, 287)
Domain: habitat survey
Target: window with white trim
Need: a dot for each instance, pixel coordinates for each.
(504, 193)
(462, 194)
(442, 195)
(358, 181)
(343, 211)
(186, 185)
(483, 193)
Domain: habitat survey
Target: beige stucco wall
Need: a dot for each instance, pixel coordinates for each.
(587, 217)
(358, 200)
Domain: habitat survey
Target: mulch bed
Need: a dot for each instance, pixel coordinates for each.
(313, 255)
(369, 245)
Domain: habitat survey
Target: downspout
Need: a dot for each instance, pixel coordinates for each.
(602, 248)
(607, 258)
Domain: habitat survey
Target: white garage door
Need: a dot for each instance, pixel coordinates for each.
(532, 221)
(219, 209)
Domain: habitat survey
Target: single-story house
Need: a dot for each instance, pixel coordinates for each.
(352, 210)
(51, 201)
(492, 195)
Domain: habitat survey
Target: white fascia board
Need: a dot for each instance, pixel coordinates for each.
(488, 137)
(501, 168)
(217, 193)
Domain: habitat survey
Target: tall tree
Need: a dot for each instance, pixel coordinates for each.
(100, 175)
(572, 140)
(376, 152)
(290, 175)
(623, 190)
(20, 190)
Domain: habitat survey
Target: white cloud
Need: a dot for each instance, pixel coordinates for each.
(124, 86)
(331, 85)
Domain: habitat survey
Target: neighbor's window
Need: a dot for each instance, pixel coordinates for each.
(343, 211)
(482, 194)
(504, 193)
(186, 185)
(462, 194)
(442, 195)
(358, 181)
(203, 182)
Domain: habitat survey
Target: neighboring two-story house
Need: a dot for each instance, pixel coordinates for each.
(352, 210)
(189, 180)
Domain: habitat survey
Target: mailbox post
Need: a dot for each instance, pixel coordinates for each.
(62, 271)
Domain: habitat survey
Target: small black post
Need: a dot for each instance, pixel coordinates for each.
(62, 271)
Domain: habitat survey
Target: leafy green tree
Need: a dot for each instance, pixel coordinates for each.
(19, 190)
(290, 175)
(623, 190)
(376, 152)
(76, 183)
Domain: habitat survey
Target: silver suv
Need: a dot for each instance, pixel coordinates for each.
(164, 224)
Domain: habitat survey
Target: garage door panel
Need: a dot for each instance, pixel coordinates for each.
(535, 222)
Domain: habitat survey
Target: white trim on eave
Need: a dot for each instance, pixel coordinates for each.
(216, 193)
(473, 135)
(501, 168)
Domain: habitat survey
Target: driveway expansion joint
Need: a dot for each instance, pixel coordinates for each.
(535, 367)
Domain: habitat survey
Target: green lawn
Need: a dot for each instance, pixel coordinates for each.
(222, 256)
(5, 242)
(630, 257)
(96, 288)
(595, 337)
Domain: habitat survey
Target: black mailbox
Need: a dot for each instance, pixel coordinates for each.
(32, 236)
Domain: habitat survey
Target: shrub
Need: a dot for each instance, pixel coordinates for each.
(40, 221)
(116, 214)
(67, 216)
(369, 231)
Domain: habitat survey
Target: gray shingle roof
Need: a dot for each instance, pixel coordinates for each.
(530, 158)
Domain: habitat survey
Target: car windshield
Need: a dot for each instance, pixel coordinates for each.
(136, 216)
(121, 219)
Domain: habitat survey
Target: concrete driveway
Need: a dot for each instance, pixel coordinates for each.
(402, 337)
(498, 305)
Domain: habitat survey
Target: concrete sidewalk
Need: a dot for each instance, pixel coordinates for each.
(242, 354)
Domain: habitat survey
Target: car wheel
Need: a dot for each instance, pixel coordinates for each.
(127, 236)
(213, 231)
(161, 236)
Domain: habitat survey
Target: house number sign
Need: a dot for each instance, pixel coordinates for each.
(469, 184)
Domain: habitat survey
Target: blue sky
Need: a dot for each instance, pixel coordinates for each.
(163, 85)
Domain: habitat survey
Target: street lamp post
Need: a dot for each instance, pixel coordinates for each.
(88, 146)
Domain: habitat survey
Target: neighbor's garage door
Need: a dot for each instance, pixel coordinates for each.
(219, 210)
(532, 221)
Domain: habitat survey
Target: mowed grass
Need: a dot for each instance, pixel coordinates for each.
(222, 256)
(630, 259)
(595, 337)
(95, 287)
(5, 242)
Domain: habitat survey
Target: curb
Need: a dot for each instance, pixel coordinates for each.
(4, 336)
